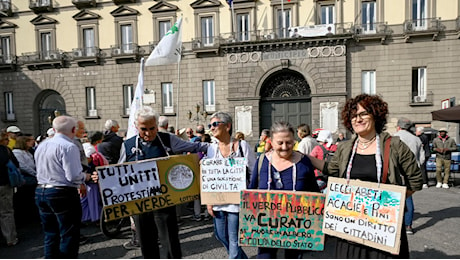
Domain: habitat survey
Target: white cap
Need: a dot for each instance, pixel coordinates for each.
(325, 136)
(89, 149)
(50, 132)
(13, 129)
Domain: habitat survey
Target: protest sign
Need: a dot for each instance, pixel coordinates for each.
(281, 219)
(142, 186)
(222, 179)
(365, 213)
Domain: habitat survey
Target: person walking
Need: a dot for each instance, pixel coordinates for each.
(415, 145)
(443, 145)
(159, 225)
(60, 175)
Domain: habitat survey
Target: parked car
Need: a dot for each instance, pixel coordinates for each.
(454, 167)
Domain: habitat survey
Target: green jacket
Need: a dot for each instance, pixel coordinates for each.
(449, 144)
(403, 168)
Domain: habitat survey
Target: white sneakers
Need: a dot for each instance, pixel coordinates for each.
(443, 185)
(425, 186)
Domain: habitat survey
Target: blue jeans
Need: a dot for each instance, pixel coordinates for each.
(60, 214)
(226, 230)
(409, 214)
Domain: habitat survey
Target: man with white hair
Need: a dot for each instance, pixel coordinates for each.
(111, 144)
(415, 145)
(59, 175)
(150, 143)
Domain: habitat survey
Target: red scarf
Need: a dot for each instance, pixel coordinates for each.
(443, 139)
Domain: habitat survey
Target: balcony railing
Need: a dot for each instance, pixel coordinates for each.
(371, 31)
(421, 100)
(125, 50)
(39, 6)
(87, 52)
(5, 8)
(7, 59)
(420, 25)
(39, 57)
(206, 43)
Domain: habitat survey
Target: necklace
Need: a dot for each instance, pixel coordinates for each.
(365, 145)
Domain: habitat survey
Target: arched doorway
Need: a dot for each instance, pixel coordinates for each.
(48, 104)
(285, 96)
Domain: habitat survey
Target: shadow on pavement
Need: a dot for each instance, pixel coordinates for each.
(436, 216)
(431, 254)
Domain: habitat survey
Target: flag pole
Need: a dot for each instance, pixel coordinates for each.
(178, 88)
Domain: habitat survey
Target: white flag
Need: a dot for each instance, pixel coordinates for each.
(168, 50)
(137, 103)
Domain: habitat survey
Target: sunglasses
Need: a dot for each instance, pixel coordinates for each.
(215, 124)
(277, 176)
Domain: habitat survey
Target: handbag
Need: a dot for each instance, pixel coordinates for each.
(16, 178)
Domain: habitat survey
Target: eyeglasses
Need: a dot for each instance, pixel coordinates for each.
(215, 124)
(362, 115)
(145, 129)
(277, 176)
(189, 132)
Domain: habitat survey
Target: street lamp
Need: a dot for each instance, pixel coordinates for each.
(198, 114)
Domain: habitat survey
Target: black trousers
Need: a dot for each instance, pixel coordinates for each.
(160, 224)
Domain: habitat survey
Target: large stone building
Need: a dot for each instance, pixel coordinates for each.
(260, 60)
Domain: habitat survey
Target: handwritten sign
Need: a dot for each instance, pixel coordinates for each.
(281, 219)
(142, 186)
(222, 179)
(365, 213)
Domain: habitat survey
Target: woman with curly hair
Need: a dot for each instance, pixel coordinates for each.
(362, 158)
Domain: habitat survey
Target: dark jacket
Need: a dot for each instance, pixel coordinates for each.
(426, 144)
(110, 147)
(403, 167)
(5, 155)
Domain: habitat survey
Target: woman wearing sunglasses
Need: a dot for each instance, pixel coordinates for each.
(283, 169)
(226, 216)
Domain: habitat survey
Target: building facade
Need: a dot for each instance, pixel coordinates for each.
(259, 60)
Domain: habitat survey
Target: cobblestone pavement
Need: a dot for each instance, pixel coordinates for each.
(436, 225)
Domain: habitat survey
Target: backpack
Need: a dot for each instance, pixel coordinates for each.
(16, 178)
(327, 155)
(321, 179)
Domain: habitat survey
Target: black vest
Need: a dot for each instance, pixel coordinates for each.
(148, 150)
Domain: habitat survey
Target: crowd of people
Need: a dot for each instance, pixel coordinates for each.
(61, 183)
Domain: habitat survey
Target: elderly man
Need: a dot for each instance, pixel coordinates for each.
(415, 145)
(111, 144)
(443, 145)
(59, 175)
(13, 132)
(162, 223)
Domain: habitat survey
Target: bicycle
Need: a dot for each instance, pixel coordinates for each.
(113, 228)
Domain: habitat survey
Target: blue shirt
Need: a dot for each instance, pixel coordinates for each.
(58, 162)
(305, 180)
